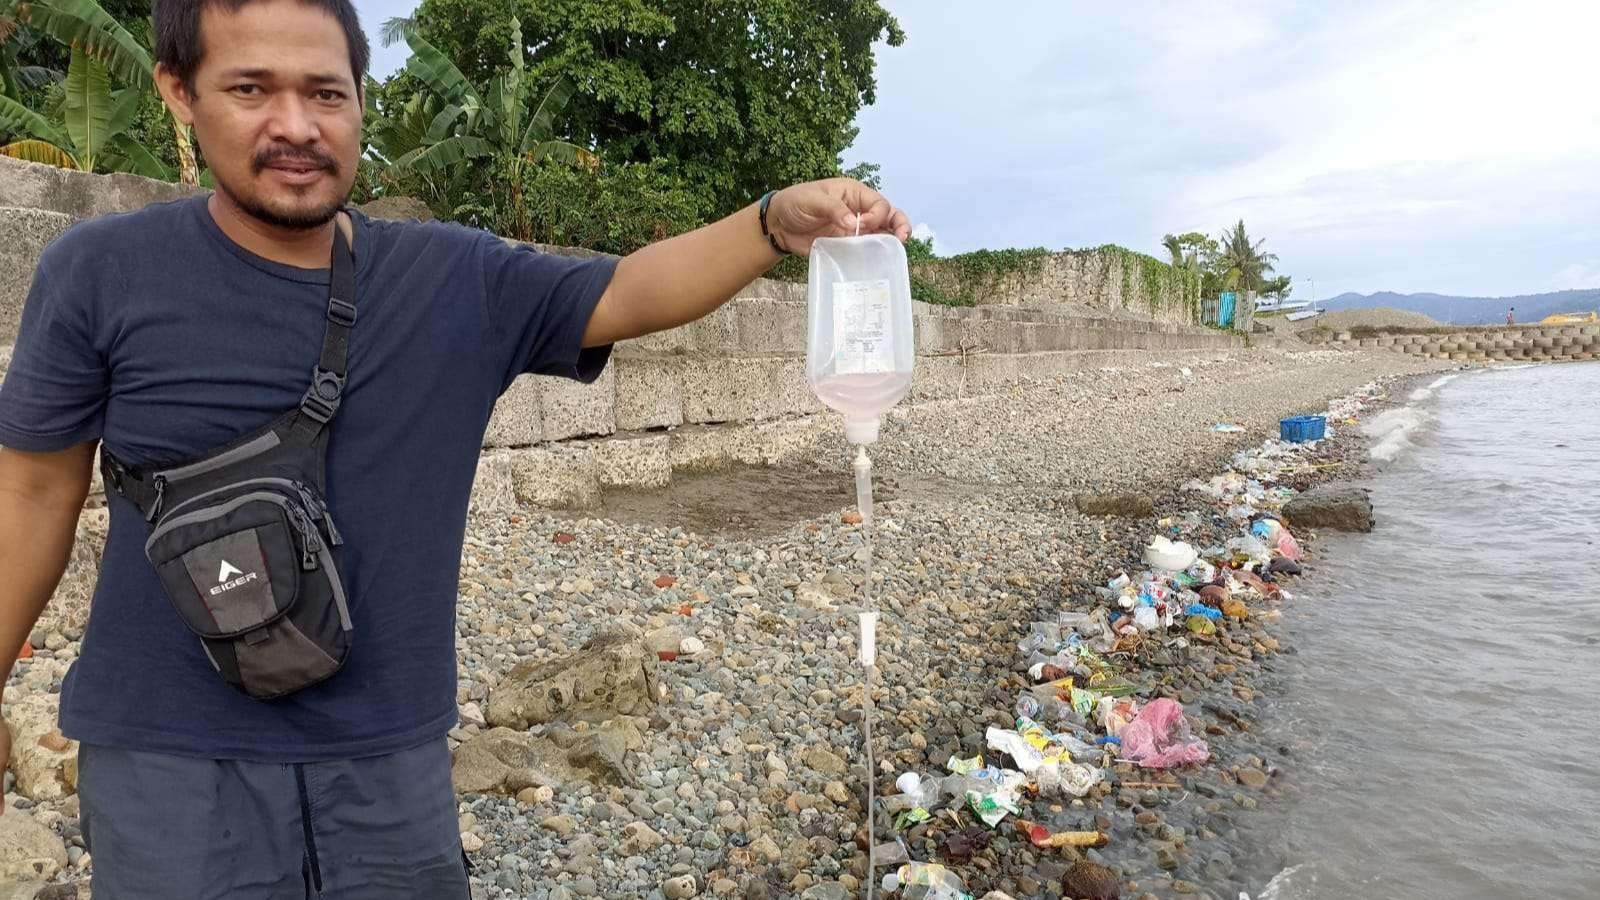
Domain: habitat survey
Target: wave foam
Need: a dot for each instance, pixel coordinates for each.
(1391, 431)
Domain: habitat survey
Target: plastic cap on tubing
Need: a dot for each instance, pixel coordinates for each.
(861, 431)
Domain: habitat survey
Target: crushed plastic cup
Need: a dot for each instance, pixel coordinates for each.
(1066, 779)
(942, 883)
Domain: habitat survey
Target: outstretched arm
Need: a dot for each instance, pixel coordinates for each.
(676, 281)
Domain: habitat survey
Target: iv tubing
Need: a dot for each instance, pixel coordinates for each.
(863, 470)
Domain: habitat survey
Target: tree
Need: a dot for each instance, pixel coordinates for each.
(738, 97)
(1240, 263)
(460, 122)
(89, 30)
(1277, 288)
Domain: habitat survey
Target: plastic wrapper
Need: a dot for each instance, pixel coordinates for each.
(1145, 618)
(1114, 714)
(1159, 738)
(1066, 779)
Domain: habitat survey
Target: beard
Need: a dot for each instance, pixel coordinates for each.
(302, 210)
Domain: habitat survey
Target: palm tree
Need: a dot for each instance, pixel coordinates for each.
(107, 48)
(461, 122)
(1240, 262)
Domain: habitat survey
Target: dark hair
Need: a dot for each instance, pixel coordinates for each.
(180, 49)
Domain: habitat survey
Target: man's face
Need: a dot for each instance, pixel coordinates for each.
(276, 110)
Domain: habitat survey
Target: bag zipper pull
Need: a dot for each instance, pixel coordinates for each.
(308, 554)
(161, 490)
(319, 512)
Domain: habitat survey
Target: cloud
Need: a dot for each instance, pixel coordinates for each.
(1414, 145)
(925, 232)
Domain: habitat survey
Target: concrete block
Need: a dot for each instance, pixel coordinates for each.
(770, 326)
(649, 392)
(717, 332)
(493, 490)
(560, 476)
(634, 462)
(1544, 343)
(936, 378)
(744, 389)
(24, 233)
(517, 419)
(990, 372)
(570, 409)
(936, 333)
(80, 194)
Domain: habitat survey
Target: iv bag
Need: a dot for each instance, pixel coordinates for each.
(861, 347)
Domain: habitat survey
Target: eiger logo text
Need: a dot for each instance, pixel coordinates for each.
(229, 569)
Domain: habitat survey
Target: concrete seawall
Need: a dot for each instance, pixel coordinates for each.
(1533, 343)
(728, 389)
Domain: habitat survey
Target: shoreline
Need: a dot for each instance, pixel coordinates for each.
(746, 777)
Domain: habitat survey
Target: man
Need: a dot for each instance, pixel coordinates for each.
(1511, 316)
(169, 331)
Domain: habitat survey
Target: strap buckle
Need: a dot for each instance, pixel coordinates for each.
(341, 312)
(321, 400)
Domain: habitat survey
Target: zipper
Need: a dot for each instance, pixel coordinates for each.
(310, 543)
(319, 512)
(208, 514)
(315, 505)
(161, 494)
(253, 447)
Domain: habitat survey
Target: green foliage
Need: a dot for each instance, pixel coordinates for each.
(737, 98)
(1163, 286)
(93, 125)
(919, 250)
(460, 121)
(961, 280)
(95, 121)
(1240, 263)
(616, 209)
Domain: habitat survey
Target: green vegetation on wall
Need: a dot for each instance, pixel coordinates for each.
(1162, 286)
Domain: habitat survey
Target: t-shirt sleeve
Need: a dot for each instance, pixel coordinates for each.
(55, 389)
(539, 306)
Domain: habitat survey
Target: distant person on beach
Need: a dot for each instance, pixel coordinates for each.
(1511, 316)
(165, 335)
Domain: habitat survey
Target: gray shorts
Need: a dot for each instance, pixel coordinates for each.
(165, 827)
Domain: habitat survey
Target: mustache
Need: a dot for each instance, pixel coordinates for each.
(309, 157)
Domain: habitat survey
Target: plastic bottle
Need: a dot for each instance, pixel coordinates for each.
(861, 348)
(930, 881)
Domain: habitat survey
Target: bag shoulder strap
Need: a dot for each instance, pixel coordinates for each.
(317, 406)
(321, 400)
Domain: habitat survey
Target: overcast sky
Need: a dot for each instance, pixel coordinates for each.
(1407, 145)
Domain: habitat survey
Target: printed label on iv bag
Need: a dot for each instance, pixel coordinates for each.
(861, 328)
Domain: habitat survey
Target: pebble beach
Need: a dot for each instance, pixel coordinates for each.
(730, 763)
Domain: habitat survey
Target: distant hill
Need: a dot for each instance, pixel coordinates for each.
(1473, 310)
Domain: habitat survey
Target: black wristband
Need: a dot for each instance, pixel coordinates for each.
(765, 200)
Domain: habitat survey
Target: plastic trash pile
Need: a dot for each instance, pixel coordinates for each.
(1084, 710)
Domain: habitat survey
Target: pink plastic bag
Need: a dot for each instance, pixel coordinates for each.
(1288, 547)
(1158, 737)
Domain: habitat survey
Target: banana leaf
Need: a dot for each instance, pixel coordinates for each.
(436, 71)
(18, 119)
(83, 25)
(131, 156)
(541, 128)
(37, 151)
(88, 106)
(449, 152)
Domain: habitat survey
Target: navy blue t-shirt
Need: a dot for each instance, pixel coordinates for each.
(157, 334)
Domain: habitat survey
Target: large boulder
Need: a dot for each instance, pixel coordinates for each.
(505, 761)
(613, 674)
(400, 208)
(28, 851)
(1335, 507)
(45, 762)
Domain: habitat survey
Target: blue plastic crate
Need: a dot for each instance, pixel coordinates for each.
(1299, 429)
